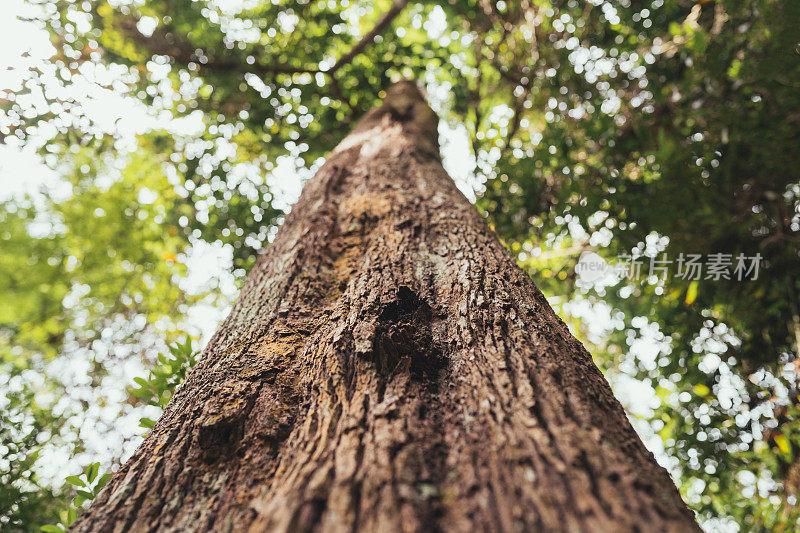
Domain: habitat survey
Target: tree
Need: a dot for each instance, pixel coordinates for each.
(628, 120)
(388, 367)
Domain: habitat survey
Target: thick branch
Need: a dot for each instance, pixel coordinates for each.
(163, 43)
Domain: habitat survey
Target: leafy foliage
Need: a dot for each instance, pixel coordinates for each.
(25, 501)
(87, 486)
(164, 378)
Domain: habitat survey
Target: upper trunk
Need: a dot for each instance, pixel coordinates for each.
(388, 367)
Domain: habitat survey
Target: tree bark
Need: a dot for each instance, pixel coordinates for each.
(388, 367)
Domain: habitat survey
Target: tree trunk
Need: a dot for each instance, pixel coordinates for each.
(388, 367)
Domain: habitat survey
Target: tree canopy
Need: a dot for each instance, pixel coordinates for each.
(657, 130)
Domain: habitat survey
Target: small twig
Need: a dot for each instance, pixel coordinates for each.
(512, 131)
(336, 90)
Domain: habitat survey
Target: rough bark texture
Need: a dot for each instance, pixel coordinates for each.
(388, 367)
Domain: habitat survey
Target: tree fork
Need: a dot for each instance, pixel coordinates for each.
(388, 367)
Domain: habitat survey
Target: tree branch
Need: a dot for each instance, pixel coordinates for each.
(385, 20)
(163, 43)
(518, 106)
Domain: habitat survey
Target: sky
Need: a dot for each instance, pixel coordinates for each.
(106, 433)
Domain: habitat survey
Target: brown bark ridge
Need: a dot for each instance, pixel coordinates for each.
(388, 367)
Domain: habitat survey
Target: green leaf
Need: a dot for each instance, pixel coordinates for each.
(52, 529)
(102, 481)
(691, 293)
(91, 471)
(783, 443)
(141, 393)
(75, 480)
(86, 494)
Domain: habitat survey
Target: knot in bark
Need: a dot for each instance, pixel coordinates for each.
(401, 331)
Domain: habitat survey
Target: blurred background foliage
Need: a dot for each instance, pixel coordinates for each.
(173, 132)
